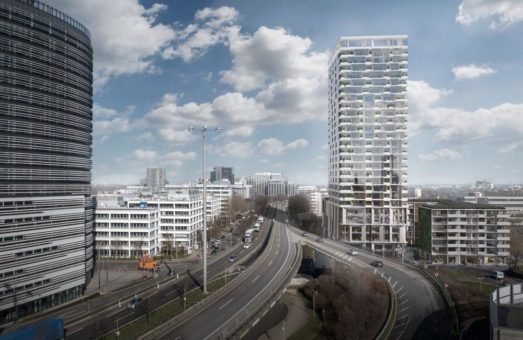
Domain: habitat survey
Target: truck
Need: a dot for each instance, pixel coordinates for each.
(248, 236)
(148, 263)
(47, 329)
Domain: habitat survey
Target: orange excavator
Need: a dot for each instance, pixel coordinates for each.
(148, 263)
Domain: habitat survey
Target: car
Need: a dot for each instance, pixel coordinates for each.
(352, 252)
(376, 264)
(304, 234)
(232, 258)
(497, 275)
(319, 239)
(222, 237)
(247, 245)
(135, 302)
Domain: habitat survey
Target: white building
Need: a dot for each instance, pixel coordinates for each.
(464, 233)
(315, 196)
(368, 141)
(180, 218)
(268, 183)
(125, 232)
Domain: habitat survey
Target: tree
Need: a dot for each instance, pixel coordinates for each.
(236, 205)
(260, 203)
(516, 246)
(297, 205)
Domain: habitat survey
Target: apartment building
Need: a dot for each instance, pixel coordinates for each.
(463, 233)
(315, 197)
(181, 217)
(155, 179)
(127, 232)
(269, 184)
(367, 124)
(46, 210)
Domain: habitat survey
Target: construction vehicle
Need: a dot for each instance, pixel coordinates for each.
(148, 263)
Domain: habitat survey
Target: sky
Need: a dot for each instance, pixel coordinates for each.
(258, 70)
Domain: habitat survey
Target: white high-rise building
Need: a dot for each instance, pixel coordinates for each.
(368, 141)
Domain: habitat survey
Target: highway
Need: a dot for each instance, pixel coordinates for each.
(104, 322)
(421, 311)
(250, 291)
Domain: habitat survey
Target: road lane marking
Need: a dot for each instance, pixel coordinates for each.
(394, 285)
(225, 304)
(171, 292)
(270, 263)
(256, 278)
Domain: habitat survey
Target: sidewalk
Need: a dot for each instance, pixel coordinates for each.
(116, 279)
(297, 316)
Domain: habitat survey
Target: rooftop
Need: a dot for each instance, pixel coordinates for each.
(448, 204)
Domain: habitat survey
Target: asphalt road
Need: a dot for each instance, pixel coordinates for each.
(421, 311)
(101, 323)
(226, 312)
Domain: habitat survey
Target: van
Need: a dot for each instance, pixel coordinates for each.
(499, 275)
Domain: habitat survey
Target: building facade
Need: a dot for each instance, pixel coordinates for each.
(181, 217)
(220, 173)
(46, 212)
(315, 197)
(268, 184)
(368, 141)
(155, 179)
(464, 233)
(127, 232)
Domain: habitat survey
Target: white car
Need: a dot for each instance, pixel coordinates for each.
(246, 245)
(352, 252)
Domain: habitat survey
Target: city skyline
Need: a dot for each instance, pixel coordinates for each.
(262, 78)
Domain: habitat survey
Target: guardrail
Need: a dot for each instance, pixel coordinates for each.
(251, 319)
(193, 310)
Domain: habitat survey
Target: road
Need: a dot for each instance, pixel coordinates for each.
(421, 312)
(259, 282)
(101, 323)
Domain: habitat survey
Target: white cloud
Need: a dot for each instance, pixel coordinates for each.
(108, 121)
(212, 26)
(176, 159)
(146, 136)
(512, 147)
(125, 35)
(273, 146)
(471, 71)
(143, 155)
(440, 155)
(457, 123)
(177, 136)
(240, 131)
(236, 149)
(505, 12)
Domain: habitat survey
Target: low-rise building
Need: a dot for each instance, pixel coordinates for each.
(127, 232)
(463, 233)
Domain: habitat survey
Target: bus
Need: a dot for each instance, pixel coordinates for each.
(248, 236)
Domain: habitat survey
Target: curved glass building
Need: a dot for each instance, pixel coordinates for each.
(46, 213)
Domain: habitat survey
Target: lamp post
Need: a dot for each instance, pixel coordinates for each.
(204, 135)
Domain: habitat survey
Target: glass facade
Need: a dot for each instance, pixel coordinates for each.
(368, 141)
(46, 214)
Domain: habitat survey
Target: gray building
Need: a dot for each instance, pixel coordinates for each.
(46, 210)
(155, 179)
(219, 173)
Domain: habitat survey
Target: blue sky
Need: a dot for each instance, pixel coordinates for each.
(257, 69)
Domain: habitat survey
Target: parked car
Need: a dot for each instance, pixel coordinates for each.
(135, 302)
(304, 234)
(352, 252)
(376, 264)
(319, 239)
(498, 275)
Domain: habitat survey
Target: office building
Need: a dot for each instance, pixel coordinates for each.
(367, 134)
(46, 210)
(155, 179)
(181, 217)
(464, 233)
(126, 233)
(219, 173)
(268, 184)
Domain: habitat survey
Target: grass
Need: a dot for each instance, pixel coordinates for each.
(310, 331)
(167, 312)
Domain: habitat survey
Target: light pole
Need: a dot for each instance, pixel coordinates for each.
(314, 302)
(204, 134)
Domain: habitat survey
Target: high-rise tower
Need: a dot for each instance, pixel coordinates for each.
(368, 141)
(46, 214)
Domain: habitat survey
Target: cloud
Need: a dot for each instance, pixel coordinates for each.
(177, 136)
(512, 147)
(177, 158)
(457, 123)
(212, 26)
(505, 12)
(125, 35)
(143, 155)
(440, 155)
(471, 71)
(273, 146)
(236, 149)
(146, 136)
(108, 121)
(240, 131)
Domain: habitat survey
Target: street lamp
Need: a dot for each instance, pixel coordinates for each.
(204, 134)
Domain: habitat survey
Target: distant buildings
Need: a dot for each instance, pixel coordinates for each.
(220, 173)
(155, 179)
(368, 141)
(464, 233)
(270, 184)
(46, 211)
(314, 195)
